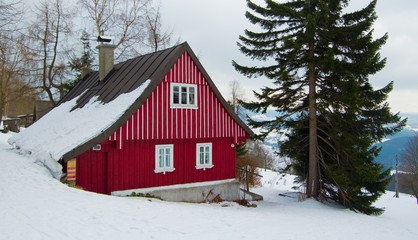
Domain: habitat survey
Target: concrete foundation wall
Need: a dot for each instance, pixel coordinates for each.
(207, 192)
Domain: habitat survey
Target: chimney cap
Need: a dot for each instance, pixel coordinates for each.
(104, 39)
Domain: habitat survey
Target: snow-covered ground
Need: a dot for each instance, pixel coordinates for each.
(34, 205)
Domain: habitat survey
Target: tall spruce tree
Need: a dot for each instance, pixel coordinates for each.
(319, 58)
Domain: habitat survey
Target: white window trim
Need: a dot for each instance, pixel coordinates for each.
(204, 166)
(179, 105)
(164, 169)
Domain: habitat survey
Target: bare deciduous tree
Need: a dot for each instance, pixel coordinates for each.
(237, 95)
(12, 86)
(256, 156)
(410, 166)
(157, 37)
(259, 152)
(47, 37)
(124, 19)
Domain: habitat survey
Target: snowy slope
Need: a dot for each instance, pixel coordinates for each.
(33, 205)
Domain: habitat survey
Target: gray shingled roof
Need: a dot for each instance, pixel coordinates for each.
(129, 75)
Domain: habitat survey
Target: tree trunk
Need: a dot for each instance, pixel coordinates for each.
(50, 95)
(3, 86)
(312, 185)
(1, 112)
(2, 102)
(414, 190)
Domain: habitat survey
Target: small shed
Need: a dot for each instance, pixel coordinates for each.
(12, 124)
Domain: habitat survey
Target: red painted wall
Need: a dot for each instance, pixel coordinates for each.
(129, 153)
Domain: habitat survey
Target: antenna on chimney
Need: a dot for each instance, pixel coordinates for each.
(104, 39)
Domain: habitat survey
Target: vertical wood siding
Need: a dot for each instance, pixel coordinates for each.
(92, 171)
(133, 166)
(156, 120)
(127, 158)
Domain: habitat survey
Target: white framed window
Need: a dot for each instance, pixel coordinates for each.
(164, 158)
(204, 156)
(183, 95)
(97, 147)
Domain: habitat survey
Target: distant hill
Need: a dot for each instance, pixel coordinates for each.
(397, 143)
(390, 149)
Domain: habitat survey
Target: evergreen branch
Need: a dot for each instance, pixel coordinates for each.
(252, 71)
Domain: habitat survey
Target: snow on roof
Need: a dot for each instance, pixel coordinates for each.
(62, 130)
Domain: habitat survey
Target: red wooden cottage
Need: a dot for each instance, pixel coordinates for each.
(176, 130)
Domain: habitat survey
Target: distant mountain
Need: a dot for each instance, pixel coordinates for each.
(391, 149)
(395, 144)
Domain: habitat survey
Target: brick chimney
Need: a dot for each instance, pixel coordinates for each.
(106, 59)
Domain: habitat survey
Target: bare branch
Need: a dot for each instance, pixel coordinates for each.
(157, 37)
(409, 164)
(48, 51)
(10, 14)
(124, 19)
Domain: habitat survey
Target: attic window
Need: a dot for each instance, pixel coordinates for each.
(97, 147)
(183, 95)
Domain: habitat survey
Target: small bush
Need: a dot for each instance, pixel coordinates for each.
(244, 164)
(144, 195)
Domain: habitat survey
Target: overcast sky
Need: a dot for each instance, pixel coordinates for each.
(212, 29)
